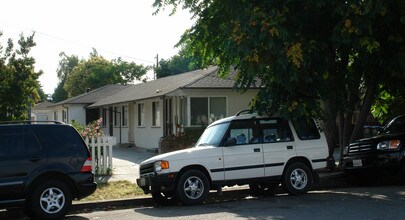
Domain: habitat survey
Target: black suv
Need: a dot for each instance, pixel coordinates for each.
(381, 154)
(44, 166)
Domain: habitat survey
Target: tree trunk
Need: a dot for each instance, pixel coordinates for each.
(365, 109)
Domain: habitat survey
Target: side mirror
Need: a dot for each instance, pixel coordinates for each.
(230, 142)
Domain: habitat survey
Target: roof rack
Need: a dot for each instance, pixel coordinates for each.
(247, 111)
(31, 122)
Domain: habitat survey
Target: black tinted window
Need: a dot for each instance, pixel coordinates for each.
(11, 141)
(31, 144)
(396, 125)
(59, 136)
(306, 129)
(275, 130)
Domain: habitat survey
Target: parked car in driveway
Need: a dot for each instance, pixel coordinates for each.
(44, 166)
(381, 154)
(243, 149)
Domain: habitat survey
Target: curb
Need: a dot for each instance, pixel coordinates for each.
(328, 180)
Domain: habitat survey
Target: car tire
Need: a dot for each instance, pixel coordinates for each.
(263, 189)
(193, 187)
(297, 179)
(50, 200)
(164, 199)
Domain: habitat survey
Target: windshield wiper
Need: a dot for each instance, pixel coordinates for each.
(203, 144)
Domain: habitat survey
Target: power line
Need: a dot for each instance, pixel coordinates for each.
(76, 43)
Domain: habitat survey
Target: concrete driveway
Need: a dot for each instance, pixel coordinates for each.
(126, 162)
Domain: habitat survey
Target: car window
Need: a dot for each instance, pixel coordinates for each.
(61, 137)
(213, 135)
(396, 125)
(306, 129)
(31, 144)
(275, 130)
(242, 132)
(10, 141)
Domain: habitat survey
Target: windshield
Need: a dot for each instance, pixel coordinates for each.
(213, 135)
(394, 126)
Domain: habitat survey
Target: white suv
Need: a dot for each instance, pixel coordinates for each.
(243, 149)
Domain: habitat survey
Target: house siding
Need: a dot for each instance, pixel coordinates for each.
(148, 136)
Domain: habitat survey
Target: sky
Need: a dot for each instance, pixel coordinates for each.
(115, 28)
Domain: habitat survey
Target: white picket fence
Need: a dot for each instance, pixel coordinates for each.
(101, 149)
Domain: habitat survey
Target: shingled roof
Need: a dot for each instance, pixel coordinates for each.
(198, 79)
(94, 95)
(157, 87)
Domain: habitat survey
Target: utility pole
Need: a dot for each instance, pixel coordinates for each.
(157, 64)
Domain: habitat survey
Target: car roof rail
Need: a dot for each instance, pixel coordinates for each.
(31, 122)
(244, 112)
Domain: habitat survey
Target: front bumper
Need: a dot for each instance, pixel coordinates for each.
(372, 161)
(157, 182)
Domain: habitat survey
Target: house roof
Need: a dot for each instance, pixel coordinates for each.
(159, 87)
(42, 106)
(198, 79)
(94, 95)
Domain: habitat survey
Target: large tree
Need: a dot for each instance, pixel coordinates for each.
(321, 58)
(98, 71)
(66, 66)
(18, 79)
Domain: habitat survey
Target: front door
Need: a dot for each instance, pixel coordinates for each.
(243, 155)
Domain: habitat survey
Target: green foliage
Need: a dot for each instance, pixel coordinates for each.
(91, 130)
(78, 76)
(179, 63)
(312, 58)
(19, 86)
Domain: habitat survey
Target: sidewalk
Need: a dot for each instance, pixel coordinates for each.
(126, 162)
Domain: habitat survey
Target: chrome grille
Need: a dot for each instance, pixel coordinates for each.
(359, 149)
(146, 168)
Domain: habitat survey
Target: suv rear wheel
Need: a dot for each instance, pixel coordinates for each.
(297, 179)
(193, 187)
(51, 200)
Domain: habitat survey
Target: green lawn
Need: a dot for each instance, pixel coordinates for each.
(114, 190)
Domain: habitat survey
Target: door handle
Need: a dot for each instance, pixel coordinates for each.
(289, 147)
(256, 149)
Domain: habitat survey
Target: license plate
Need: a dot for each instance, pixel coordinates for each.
(357, 163)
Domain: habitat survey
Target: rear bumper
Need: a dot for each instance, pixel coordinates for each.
(84, 184)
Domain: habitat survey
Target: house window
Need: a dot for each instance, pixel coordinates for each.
(141, 114)
(124, 115)
(205, 110)
(104, 117)
(117, 117)
(155, 114)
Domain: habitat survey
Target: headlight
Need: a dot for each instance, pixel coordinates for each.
(161, 165)
(388, 145)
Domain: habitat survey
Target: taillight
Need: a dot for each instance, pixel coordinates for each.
(87, 166)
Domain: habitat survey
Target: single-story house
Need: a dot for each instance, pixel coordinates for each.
(42, 112)
(74, 109)
(141, 114)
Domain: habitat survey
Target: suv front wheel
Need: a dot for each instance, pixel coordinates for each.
(297, 179)
(50, 200)
(193, 187)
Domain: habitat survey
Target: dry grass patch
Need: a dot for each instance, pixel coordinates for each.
(114, 190)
